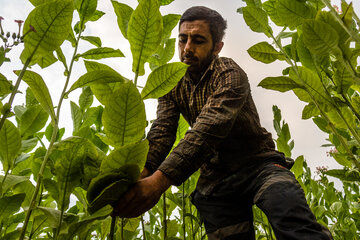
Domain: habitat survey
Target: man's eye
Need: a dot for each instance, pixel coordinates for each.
(182, 40)
(199, 41)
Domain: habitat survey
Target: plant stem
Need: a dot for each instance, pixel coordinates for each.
(13, 93)
(143, 227)
(183, 210)
(336, 15)
(52, 141)
(164, 216)
(112, 227)
(122, 229)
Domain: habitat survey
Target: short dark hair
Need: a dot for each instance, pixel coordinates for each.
(216, 22)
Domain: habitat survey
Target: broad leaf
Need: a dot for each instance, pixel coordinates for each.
(124, 117)
(304, 54)
(12, 180)
(86, 8)
(40, 91)
(86, 98)
(270, 8)
(257, 19)
(310, 111)
(165, 2)
(297, 168)
(32, 121)
(52, 22)
(123, 13)
(10, 144)
(93, 40)
(319, 37)
(169, 22)
(5, 86)
(10, 205)
(76, 116)
(281, 84)
(98, 76)
(129, 154)
(265, 53)
(47, 60)
(293, 13)
(347, 115)
(144, 33)
(344, 174)
(163, 54)
(100, 53)
(69, 157)
(163, 79)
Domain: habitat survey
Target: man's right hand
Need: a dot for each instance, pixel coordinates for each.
(145, 173)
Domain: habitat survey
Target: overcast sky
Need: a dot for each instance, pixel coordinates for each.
(308, 138)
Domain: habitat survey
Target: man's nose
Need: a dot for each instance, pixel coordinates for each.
(188, 46)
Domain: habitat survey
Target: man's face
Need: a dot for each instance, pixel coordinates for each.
(196, 46)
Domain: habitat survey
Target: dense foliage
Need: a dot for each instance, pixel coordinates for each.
(56, 188)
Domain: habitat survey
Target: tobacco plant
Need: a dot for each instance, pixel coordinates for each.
(321, 44)
(107, 149)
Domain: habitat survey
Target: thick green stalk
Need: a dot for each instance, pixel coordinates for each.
(143, 227)
(16, 87)
(183, 210)
(164, 216)
(52, 141)
(112, 228)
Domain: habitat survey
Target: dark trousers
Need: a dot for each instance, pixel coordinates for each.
(228, 214)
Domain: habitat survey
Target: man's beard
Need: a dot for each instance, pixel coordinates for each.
(200, 66)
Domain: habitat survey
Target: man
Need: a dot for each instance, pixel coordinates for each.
(238, 163)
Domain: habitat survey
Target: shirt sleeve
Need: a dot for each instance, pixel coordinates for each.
(212, 126)
(162, 134)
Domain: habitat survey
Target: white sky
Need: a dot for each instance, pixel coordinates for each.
(308, 138)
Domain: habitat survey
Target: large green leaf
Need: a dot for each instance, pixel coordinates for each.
(76, 116)
(144, 33)
(304, 54)
(10, 144)
(100, 53)
(123, 13)
(98, 76)
(47, 60)
(169, 22)
(257, 19)
(93, 40)
(264, 52)
(311, 83)
(40, 91)
(69, 157)
(129, 154)
(319, 37)
(163, 54)
(270, 8)
(343, 78)
(32, 121)
(10, 205)
(52, 23)
(281, 83)
(346, 113)
(293, 13)
(310, 111)
(86, 8)
(12, 180)
(5, 86)
(163, 79)
(297, 168)
(86, 98)
(344, 174)
(124, 117)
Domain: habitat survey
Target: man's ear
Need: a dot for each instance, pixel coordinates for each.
(218, 47)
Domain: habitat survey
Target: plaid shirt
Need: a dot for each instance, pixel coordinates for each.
(225, 136)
